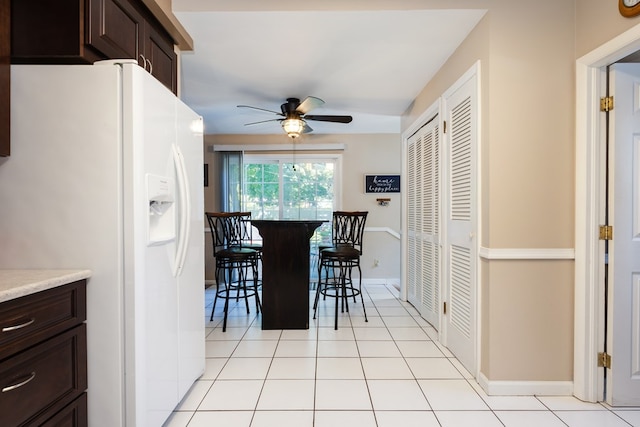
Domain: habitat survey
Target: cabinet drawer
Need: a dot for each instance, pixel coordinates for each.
(39, 382)
(73, 415)
(30, 319)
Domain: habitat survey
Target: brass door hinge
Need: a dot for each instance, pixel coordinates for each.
(606, 232)
(604, 360)
(444, 307)
(606, 103)
(444, 126)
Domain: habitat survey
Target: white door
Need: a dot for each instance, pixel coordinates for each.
(623, 324)
(423, 221)
(461, 116)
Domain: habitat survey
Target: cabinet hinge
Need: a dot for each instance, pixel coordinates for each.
(444, 126)
(606, 232)
(444, 307)
(604, 360)
(606, 103)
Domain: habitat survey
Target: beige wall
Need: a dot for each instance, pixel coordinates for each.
(363, 154)
(526, 183)
(597, 22)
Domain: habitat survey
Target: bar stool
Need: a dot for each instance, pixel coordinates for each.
(339, 260)
(236, 266)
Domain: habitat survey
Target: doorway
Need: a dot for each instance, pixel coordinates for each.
(591, 69)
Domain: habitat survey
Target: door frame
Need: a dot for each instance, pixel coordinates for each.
(588, 382)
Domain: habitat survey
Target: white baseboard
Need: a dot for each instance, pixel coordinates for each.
(525, 388)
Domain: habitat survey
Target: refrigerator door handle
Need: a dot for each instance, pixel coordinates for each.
(184, 210)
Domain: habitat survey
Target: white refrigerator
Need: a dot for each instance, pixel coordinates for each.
(106, 174)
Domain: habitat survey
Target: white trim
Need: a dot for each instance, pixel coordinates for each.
(589, 305)
(525, 388)
(526, 253)
(382, 230)
(278, 147)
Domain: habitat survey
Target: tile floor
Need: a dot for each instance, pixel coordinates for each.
(387, 372)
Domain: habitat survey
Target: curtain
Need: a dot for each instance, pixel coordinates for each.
(230, 181)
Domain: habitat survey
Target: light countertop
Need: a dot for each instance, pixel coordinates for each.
(18, 283)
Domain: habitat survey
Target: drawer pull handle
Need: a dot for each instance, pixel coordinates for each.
(20, 384)
(20, 326)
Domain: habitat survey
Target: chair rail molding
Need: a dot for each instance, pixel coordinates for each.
(526, 253)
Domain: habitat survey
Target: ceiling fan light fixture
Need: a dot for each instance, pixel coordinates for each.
(293, 127)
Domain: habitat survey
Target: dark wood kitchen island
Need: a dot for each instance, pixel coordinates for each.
(285, 272)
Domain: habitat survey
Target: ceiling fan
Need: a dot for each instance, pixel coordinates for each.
(294, 115)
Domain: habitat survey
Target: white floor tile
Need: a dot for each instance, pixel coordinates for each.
(257, 333)
(321, 377)
(342, 395)
(250, 368)
(235, 395)
(220, 348)
(292, 368)
(337, 349)
(344, 418)
(569, 403)
(591, 419)
(287, 395)
(469, 418)
(386, 368)
(296, 348)
(194, 396)
(408, 334)
(282, 419)
(378, 349)
(513, 403)
(406, 419)
(398, 395)
(248, 348)
(372, 322)
(300, 334)
(419, 349)
(452, 395)
(396, 310)
(400, 321)
(630, 416)
(178, 419)
(221, 418)
(432, 368)
(330, 334)
(213, 366)
(230, 334)
(529, 419)
(339, 368)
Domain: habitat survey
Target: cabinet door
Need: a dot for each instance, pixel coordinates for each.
(116, 28)
(158, 50)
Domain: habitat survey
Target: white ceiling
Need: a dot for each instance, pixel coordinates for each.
(370, 64)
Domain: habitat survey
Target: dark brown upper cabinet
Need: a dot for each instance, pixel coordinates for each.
(5, 78)
(85, 31)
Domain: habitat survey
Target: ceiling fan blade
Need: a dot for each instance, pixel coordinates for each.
(307, 129)
(260, 109)
(263, 121)
(335, 119)
(309, 103)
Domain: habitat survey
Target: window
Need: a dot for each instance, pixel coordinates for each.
(279, 187)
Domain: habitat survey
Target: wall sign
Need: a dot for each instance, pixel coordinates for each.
(382, 183)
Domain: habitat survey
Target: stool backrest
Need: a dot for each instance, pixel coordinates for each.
(347, 228)
(226, 229)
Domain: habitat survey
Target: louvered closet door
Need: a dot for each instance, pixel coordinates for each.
(414, 290)
(461, 253)
(423, 219)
